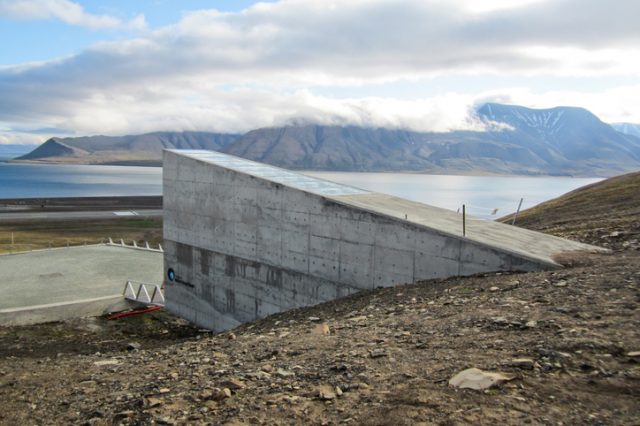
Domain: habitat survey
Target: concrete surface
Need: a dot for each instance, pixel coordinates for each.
(523, 242)
(70, 282)
(247, 240)
(38, 314)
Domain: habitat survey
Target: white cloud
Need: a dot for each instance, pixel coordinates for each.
(20, 138)
(487, 6)
(67, 11)
(264, 66)
(245, 109)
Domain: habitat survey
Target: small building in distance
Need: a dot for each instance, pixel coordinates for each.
(244, 240)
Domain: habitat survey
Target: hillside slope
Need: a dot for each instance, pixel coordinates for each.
(606, 213)
(334, 148)
(570, 339)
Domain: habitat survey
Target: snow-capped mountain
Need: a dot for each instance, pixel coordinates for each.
(573, 133)
(544, 122)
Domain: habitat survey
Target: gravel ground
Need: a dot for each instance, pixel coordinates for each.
(568, 337)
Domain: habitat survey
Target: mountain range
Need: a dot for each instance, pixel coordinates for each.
(555, 141)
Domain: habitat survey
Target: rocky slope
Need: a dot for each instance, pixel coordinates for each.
(568, 340)
(606, 213)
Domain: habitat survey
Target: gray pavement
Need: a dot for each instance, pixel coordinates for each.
(80, 215)
(65, 275)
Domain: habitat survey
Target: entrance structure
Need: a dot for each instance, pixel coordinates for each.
(244, 240)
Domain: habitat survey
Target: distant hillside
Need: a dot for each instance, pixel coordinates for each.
(566, 132)
(556, 141)
(143, 149)
(566, 138)
(627, 128)
(334, 148)
(604, 213)
(559, 141)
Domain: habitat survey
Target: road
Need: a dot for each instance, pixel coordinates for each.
(79, 215)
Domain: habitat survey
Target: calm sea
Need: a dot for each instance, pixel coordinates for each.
(40, 180)
(481, 194)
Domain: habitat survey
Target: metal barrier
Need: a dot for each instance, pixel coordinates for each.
(135, 245)
(149, 294)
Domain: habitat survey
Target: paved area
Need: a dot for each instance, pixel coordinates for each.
(79, 215)
(66, 275)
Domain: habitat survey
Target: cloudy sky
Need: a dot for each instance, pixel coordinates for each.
(84, 67)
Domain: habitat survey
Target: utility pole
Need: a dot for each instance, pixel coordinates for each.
(515, 216)
(464, 220)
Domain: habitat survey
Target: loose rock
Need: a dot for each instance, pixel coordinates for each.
(326, 393)
(474, 378)
(525, 363)
(133, 346)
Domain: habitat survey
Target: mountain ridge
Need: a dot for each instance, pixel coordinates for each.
(144, 149)
(554, 141)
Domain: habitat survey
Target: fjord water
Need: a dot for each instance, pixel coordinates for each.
(45, 180)
(480, 194)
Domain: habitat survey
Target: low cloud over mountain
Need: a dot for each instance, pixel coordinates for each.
(403, 64)
(519, 140)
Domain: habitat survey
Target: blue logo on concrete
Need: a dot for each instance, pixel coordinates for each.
(171, 274)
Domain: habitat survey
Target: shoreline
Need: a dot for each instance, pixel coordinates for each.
(475, 173)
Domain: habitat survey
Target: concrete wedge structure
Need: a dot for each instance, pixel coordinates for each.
(244, 240)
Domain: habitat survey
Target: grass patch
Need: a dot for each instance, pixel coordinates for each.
(37, 234)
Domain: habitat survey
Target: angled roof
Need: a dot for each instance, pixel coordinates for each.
(523, 242)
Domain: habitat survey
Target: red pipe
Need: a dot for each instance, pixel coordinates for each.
(139, 311)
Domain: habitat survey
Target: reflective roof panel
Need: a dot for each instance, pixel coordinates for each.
(272, 173)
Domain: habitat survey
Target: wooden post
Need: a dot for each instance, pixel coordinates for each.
(12, 239)
(464, 221)
(515, 216)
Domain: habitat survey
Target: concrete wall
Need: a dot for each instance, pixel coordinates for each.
(244, 247)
